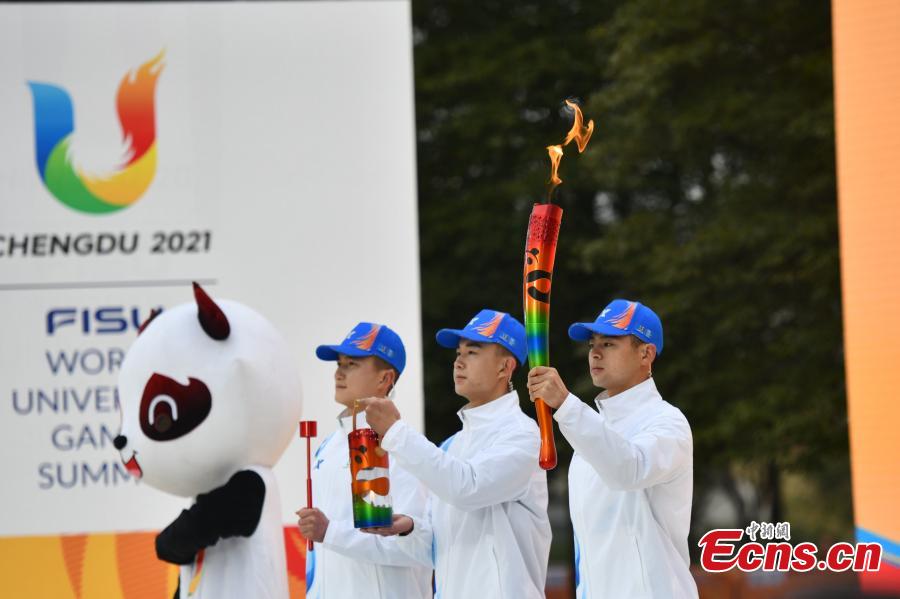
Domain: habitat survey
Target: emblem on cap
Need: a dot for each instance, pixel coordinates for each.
(621, 321)
(490, 327)
(365, 342)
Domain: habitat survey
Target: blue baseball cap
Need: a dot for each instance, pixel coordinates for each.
(489, 326)
(368, 339)
(623, 317)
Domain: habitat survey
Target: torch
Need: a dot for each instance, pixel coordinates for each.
(370, 485)
(540, 253)
(308, 431)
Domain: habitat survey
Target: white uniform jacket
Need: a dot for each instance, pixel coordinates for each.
(630, 487)
(487, 530)
(239, 566)
(349, 563)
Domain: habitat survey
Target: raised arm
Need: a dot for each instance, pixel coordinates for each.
(499, 473)
(658, 453)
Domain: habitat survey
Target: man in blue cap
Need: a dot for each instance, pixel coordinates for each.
(631, 478)
(345, 561)
(486, 529)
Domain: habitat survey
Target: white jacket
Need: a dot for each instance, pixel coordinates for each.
(630, 487)
(236, 567)
(349, 563)
(487, 530)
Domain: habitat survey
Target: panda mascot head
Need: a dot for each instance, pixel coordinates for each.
(208, 388)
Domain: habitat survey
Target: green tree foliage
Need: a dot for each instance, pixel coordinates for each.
(707, 192)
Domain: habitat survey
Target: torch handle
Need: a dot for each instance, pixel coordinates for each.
(547, 457)
(309, 501)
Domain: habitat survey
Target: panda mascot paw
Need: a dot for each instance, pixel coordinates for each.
(232, 510)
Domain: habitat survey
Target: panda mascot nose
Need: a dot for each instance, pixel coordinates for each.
(120, 442)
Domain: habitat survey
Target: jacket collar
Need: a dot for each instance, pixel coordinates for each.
(628, 401)
(489, 412)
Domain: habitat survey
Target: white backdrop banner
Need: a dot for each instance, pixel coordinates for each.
(264, 150)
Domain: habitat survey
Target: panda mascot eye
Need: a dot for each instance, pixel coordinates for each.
(162, 413)
(170, 410)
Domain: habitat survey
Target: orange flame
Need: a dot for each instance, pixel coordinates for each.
(580, 133)
(556, 154)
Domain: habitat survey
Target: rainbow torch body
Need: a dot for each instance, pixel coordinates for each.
(540, 252)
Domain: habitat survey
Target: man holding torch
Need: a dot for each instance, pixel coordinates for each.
(369, 361)
(486, 528)
(631, 478)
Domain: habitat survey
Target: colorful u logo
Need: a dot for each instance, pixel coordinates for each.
(54, 124)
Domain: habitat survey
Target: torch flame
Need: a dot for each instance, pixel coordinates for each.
(556, 154)
(580, 133)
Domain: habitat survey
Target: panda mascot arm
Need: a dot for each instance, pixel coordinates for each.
(231, 510)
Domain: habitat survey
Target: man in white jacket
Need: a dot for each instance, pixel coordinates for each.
(486, 529)
(369, 361)
(631, 478)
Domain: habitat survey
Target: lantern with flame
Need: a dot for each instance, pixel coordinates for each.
(540, 253)
(369, 473)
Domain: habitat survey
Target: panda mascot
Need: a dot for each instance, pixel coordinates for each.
(210, 399)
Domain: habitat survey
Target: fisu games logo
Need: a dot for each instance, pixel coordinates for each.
(54, 125)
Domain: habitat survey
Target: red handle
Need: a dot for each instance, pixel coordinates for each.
(309, 503)
(547, 458)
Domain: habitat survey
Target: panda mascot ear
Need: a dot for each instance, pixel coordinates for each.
(211, 317)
